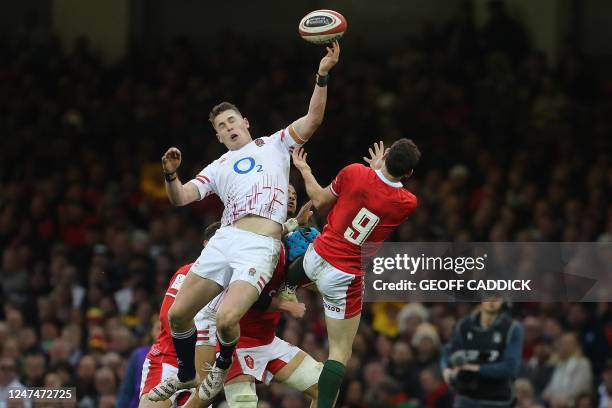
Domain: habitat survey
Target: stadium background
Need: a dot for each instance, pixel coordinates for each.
(513, 115)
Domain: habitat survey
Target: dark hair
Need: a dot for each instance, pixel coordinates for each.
(218, 109)
(210, 230)
(403, 156)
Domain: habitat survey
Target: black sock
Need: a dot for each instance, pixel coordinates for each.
(295, 272)
(184, 344)
(224, 359)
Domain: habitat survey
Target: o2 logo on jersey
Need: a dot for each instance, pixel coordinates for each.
(246, 164)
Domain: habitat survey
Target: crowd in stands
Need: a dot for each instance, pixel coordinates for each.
(516, 147)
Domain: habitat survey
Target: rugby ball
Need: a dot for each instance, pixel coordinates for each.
(322, 26)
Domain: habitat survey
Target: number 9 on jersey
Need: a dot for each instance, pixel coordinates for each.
(361, 226)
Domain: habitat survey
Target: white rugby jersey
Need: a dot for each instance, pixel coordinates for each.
(253, 179)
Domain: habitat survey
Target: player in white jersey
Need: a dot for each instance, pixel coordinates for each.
(252, 180)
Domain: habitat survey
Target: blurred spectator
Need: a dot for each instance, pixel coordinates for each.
(129, 394)
(354, 397)
(539, 368)
(572, 375)
(585, 400)
(594, 344)
(483, 358)
(14, 274)
(373, 374)
(85, 377)
(426, 342)
(410, 317)
(9, 379)
(34, 367)
(106, 385)
(436, 391)
(388, 394)
(605, 388)
(402, 367)
(525, 395)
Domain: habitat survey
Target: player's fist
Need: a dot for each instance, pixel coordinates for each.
(330, 59)
(299, 156)
(296, 309)
(171, 160)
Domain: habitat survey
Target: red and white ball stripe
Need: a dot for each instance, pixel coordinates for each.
(322, 26)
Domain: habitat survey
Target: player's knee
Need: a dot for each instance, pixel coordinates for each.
(241, 395)
(227, 319)
(306, 376)
(178, 320)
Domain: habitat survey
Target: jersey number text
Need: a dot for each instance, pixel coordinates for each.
(361, 227)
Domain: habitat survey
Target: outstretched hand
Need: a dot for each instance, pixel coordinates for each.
(330, 59)
(299, 159)
(377, 156)
(303, 216)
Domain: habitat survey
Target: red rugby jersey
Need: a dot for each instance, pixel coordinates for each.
(368, 209)
(163, 347)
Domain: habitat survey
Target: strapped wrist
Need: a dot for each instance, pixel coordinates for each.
(170, 177)
(322, 80)
(292, 224)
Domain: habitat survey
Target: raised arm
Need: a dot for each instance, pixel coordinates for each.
(308, 124)
(321, 197)
(179, 194)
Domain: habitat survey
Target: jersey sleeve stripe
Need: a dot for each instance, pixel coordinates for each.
(331, 188)
(202, 179)
(295, 136)
(170, 294)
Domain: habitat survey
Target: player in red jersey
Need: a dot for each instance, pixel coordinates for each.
(367, 204)
(262, 357)
(161, 361)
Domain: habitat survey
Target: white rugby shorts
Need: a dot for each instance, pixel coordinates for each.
(262, 362)
(342, 292)
(233, 255)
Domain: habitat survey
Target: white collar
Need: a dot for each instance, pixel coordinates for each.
(385, 180)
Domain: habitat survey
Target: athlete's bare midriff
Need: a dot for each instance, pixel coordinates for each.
(259, 225)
